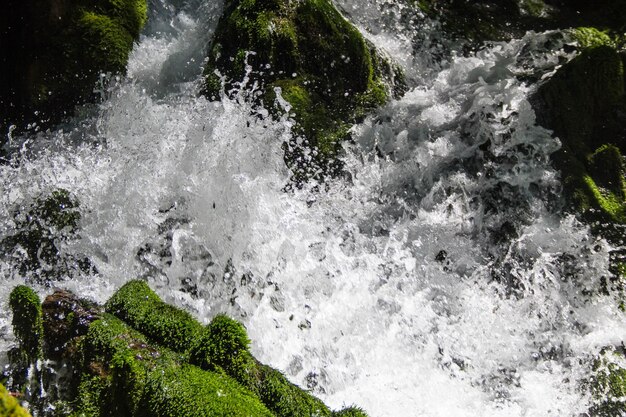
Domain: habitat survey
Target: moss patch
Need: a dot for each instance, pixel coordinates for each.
(608, 385)
(139, 306)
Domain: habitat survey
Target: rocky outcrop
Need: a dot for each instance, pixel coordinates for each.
(139, 356)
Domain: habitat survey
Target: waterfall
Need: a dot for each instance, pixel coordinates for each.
(440, 276)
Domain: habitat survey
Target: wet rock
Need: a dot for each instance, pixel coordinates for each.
(306, 59)
(65, 317)
(584, 103)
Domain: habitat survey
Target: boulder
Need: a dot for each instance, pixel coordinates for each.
(53, 52)
(305, 58)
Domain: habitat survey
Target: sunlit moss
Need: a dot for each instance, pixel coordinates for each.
(588, 37)
(139, 306)
(125, 375)
(9, 406)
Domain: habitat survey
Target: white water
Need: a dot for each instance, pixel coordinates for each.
(341, 289)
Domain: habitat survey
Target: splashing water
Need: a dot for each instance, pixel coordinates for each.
(441, 278)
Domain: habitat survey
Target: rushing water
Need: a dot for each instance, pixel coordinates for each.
(441, 277)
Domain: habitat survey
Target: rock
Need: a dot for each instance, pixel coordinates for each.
(143, 357)
(305, 58)
(584, 104)
(54, 51)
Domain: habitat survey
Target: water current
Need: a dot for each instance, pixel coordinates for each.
(440, 277)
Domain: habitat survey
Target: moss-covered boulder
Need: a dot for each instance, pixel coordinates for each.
(303, 57)
(41, 230)
(9, 406)
(27, 320)
(146, 358)
(54, 52)
(584, 103)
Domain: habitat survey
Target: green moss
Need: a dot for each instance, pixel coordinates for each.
(223, 345)
(189, 391)
(27, 320)
(533, 7)
(139, 306)
(123, 375)
(58, 60)
(107, 42)
(589, 37)
(9, 406)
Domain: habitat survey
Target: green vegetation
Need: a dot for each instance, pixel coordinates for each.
(40, 231)
(306, 51)
(223, 347)
(124, 375)
(9, 407)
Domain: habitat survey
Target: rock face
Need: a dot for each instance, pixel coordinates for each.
(53, 52)
(139, 356)
(303, 57)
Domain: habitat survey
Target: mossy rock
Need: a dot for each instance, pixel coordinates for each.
(221, 347)
(307, 52)
(124, 375)
(40, 230)
(9, 406)
(54, 52)
(584, 104)
(27, 321)
(139, 368)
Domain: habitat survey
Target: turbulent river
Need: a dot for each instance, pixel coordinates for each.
(439, 277)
